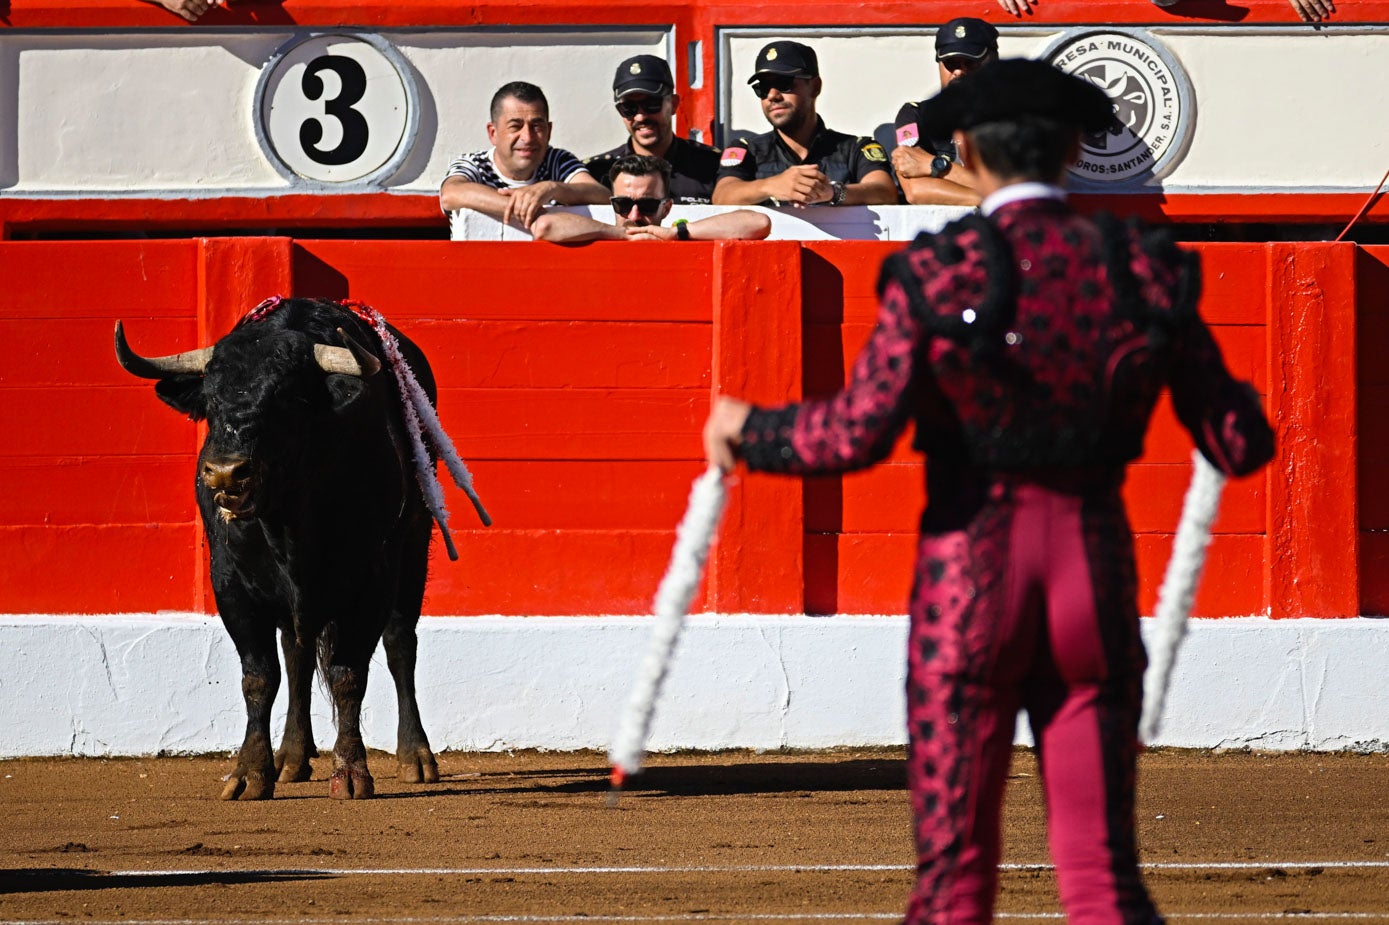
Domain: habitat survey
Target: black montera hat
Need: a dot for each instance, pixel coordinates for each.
(970, 38)
(1005, 90)
(791, 58)
(643, 74)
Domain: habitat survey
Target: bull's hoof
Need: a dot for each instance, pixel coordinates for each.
(251, 785)
(293, 768)
(351, 784)
(419, 768)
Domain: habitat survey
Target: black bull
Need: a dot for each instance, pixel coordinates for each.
(316, 526)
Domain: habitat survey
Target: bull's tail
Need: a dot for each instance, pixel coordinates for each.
(327, 646)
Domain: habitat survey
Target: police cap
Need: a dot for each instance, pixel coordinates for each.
(966, 37)
(646, 74)
(790, 58)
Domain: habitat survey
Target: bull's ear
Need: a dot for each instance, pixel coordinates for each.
(346, 391)
(183, 393)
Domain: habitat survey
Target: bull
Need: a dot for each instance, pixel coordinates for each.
(316, 525)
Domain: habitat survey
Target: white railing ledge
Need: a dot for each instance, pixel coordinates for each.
(816, 223)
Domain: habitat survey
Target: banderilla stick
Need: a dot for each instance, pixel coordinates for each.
(693, 537)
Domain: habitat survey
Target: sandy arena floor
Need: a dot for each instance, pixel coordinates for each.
(728, 837)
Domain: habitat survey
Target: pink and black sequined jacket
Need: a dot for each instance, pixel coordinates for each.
(1035, 339)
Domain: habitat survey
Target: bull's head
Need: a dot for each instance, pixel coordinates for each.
(258, 391)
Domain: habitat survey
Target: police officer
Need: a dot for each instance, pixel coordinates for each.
(645, 97)
(799, 162)
(928, 168)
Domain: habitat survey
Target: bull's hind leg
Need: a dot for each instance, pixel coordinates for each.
(297, 746)
(347, 682)
(417, 764)
(253, 778)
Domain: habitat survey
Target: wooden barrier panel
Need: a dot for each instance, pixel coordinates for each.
(1372, 426)
(574, 381)
(97, 512)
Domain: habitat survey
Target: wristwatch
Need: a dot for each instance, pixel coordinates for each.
(682, 229)
(940, 166)
(838, 196)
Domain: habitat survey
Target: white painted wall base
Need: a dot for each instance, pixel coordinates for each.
(141, 684)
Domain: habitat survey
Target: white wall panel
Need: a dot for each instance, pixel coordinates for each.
(1285, 111)
(130, 684)
(1277, 108)
(462, 71)
(120, 113)
(170, 113)
(152, 113)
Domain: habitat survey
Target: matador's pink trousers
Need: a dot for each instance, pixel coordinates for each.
(1024, 597)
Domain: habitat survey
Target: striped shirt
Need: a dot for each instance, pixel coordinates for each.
(480, 167)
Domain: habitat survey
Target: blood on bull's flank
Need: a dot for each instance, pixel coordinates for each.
(316, 487)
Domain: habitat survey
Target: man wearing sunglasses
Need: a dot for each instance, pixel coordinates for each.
(641, 201)
(644, 95)
(522, 173)
(928, 168)
(799, 162)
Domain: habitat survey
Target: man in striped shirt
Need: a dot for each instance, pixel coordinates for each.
(520, 174)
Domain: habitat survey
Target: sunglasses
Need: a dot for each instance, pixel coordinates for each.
(961, 63)
(650, 105)
(782, 83)
(646, 205)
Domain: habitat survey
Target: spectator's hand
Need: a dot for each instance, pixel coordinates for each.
(188, 9)
(911, 162)
(650, 233)
(1019, 7)
(1314, 10)
(802, 185)
(723, 432)
(524, 204)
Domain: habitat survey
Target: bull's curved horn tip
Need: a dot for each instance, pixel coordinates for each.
(190, 361)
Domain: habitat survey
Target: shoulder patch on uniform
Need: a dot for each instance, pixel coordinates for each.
(908, 135)
(733, 156)
(874, 152)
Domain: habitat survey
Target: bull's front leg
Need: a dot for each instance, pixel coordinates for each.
(347, 682)
(253, 778)
(297, 746)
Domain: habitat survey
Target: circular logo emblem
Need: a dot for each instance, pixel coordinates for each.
(959, 32)
(336, 109)
(635, 68)
(1151, 98)
(771, 54)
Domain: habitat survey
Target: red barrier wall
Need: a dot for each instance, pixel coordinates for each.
(1372, 389)
(575, 380)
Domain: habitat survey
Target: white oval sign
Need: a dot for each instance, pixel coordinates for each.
(1151, 98)
(336, 108)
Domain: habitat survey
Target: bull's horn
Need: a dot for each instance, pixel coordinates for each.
(352, 360)
(188, 362)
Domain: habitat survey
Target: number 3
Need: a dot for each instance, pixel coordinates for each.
(354, 126)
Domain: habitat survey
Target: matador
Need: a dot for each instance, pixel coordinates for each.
(1029, 345)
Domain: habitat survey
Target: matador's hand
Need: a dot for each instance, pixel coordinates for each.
(723, 432)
